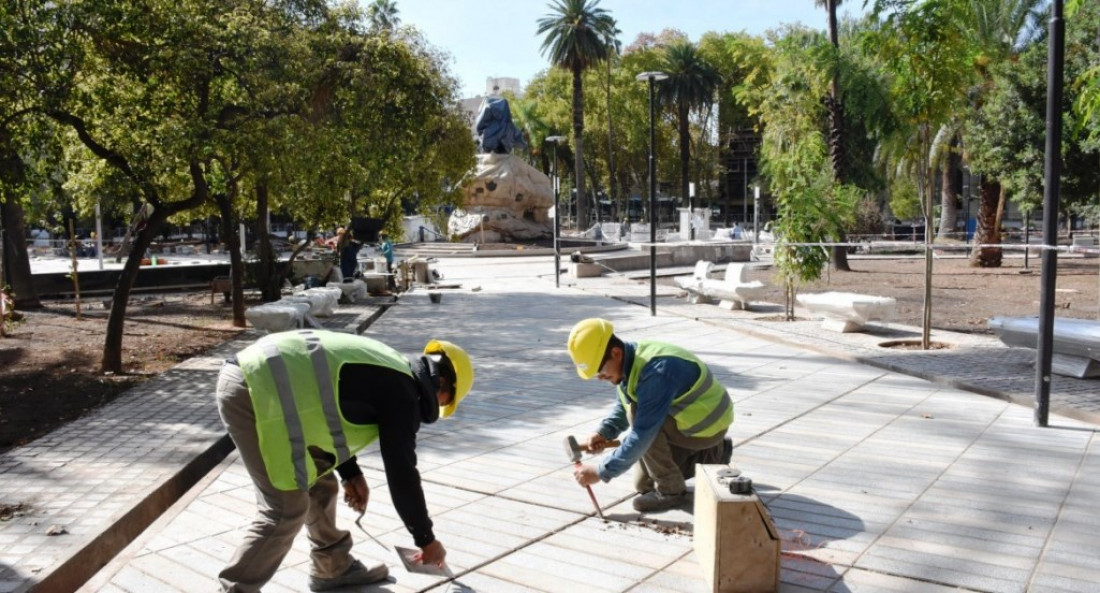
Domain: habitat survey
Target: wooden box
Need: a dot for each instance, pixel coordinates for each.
(736, 542)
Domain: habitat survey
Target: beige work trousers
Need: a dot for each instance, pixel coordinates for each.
(280, 514)
(670, 460)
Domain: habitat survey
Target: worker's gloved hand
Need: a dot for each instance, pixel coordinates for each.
(596, 443)
(586, 474)
(432, 554)
(356, 493)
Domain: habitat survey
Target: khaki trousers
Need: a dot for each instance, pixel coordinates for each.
(671, 459)
(280, 514)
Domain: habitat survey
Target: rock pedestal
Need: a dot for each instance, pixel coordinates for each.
(506, 200)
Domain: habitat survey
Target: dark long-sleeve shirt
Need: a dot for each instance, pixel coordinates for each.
(390, 399)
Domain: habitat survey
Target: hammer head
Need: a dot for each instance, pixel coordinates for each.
(572, 449)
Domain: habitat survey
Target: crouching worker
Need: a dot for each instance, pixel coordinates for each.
(300, 404)
(676, 413)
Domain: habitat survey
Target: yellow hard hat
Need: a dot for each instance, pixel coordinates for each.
(587, 343)
(464, 372)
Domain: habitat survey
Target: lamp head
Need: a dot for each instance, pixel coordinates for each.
(653, 76)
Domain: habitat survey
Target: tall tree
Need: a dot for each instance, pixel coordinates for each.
(614, 47)
(576, 34)
(691, 84)
(999, 30)
(836, 120)
(923, 48)
(382, 15)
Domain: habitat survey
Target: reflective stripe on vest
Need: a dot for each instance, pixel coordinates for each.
(292, 380)
(274, 360)
(703, 410)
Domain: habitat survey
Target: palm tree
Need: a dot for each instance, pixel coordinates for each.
(691, 84)
(383, 15)
(576, 38)
(614, 48)
(998, 28)
(836, 121)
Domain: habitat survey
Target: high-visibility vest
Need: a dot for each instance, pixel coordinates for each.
(703, 410)
(292, 380)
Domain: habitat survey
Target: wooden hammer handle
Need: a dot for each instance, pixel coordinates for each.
(608, 444)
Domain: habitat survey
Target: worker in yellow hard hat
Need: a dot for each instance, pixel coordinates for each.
(675, 414)
(299, 405)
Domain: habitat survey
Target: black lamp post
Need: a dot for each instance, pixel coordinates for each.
(1052, 172)
(652, 77)
(557, 211)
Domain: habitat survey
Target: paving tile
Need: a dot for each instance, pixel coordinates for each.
(876, 480)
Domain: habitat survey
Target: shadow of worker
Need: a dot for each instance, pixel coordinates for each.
(815, 537)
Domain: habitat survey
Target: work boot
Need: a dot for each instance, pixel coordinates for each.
(356, 574)
(727, 450)
(655, 501)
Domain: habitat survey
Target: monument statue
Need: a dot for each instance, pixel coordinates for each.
(506, 199)
(495, 131)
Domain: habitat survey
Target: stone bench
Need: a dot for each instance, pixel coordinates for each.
(278, 316)
(847, 311)
(352, 291)
(735, 290)
(1076, 348)
(321, 300)
(693, 284)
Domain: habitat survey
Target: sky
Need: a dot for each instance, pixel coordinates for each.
(497, 38)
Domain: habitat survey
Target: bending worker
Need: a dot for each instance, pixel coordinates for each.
(301, 403)
(677, 414)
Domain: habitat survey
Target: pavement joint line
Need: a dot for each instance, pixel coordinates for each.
(84, 563)
(903, 513)
(103, 577)
(1049, 539)
(808, 410)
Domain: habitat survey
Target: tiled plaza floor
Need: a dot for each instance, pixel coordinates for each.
(877, 480)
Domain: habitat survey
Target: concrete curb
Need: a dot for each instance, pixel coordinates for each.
(83, 565)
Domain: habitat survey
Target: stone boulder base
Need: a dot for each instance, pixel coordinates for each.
(506, 200)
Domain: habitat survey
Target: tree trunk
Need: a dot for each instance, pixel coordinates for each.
(685, 160)
(578, 153)
(949, 197)
(988, 232)
(236, 265)
(267, 274)
(112, 345)
(610, 146)
(17, 264)
(836, 134)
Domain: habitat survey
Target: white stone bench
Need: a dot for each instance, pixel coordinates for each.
(352, 291)
(322, 300)
(278, 316)
(847, 311)
(734, 290)
(693, 284)
(1076, 348)
(331, 299)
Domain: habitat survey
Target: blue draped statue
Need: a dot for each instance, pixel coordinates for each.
(495, 131)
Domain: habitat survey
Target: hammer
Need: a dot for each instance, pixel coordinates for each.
(573, 449)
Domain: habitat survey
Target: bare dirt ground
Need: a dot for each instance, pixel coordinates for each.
(49, 366)
(963, 298)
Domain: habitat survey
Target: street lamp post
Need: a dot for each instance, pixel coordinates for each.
(652, 77)
(557, 211)
(1052, 174)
